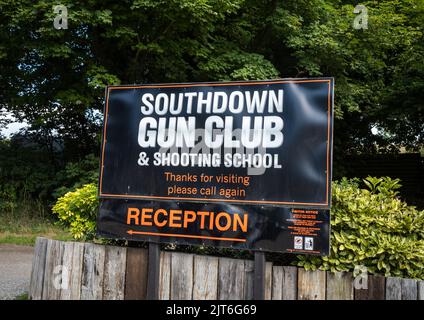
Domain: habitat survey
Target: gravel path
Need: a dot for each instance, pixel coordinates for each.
(15, 270)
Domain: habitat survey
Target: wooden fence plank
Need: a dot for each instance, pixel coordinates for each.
(59, 273)
(114, 273)
(289, 283)
(420, 287)
(375, 289)
(231, 279)
(92, 272)
(277, 283)
(311, 285)
(339, 286)
(284, 283)
(409, 289)
(37, 271)
(181, 276)
(51, 282)
(72, 268)
(165, 276)
(76, 271)
(136, 274)
(249, 269)
(48, 270)
(205, 282)
(268, 281)
(393, 288)
(68, 252)
(280, 282)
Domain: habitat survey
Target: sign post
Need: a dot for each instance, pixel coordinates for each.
(245, 165)
(259, 276)
(153, 265)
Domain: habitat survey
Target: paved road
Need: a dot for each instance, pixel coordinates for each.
(15, 270)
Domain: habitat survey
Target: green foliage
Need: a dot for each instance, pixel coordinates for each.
(77, 210)
(29, 174)
(54, 78)
(373, 228)
(76, 174)
(7, 198)
(236, 65)
(26, 221)
(26, 172)
(23, 296)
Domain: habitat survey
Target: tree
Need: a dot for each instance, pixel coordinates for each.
(54, 79)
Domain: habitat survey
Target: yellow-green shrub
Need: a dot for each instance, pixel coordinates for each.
(373, 228)
(77, 210)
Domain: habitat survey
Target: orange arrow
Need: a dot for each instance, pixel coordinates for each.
(131, 232)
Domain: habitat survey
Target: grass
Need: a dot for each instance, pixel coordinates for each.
(27, 222)
(23, 296)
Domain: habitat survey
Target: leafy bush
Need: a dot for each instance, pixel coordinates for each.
(25, 172)
(77, 210)
(77, 174)
(373, 228)
(31, 178)
(7, 198)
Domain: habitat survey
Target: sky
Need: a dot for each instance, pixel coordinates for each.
(12, 127)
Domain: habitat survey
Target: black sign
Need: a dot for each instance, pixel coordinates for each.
(245, 150)
(267, 228)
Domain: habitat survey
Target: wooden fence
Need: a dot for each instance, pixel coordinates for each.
(73, 270)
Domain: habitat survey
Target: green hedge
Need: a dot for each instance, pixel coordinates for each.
(373, 228)
(369, 227)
